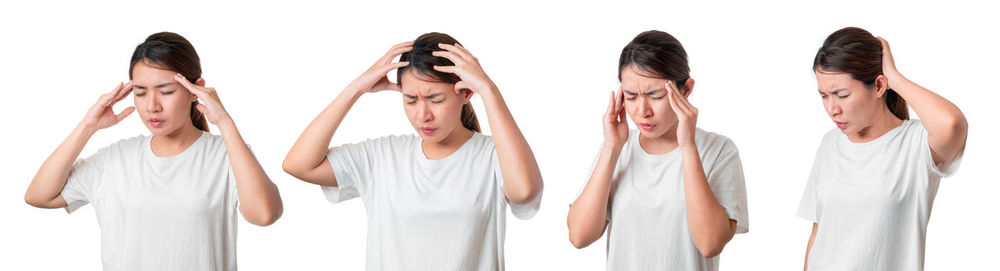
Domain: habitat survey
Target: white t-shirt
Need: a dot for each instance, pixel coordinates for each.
(160, 213)
(872, 200)
(423, 214)
(647, 214)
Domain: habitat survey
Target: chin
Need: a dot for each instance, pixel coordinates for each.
(434, 138)
(655, 133)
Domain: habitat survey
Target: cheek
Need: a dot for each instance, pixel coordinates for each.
(179, 105)
(662, 108)
(447, 111)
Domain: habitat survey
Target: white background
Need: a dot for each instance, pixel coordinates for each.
(276, 66)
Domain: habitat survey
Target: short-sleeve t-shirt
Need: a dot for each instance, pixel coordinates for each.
(160, 213)
(872, 200)
(647, 214)
(446, 214)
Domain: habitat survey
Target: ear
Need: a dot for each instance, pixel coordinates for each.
(881, 85)
(688, 87)
(466, 94)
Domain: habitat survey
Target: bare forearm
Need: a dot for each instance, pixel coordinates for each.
(938, 115)
(311, 147)
(708, 222)
(522, 178)
(259, 198)
(812, 237)
(48, 183)
(588, 214)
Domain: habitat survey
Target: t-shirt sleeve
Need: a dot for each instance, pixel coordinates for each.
(944, 169)
(352, 166)
(521, 211)
(809, 207)
(728, 184)
(83, 180)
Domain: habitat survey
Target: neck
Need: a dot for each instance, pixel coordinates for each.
(175, 142)
(884, 123)
(448, 145)
(659, 145)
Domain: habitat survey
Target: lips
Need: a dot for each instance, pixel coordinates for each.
(647, 126)
(840, 125)
(427, 130)
(155, 123)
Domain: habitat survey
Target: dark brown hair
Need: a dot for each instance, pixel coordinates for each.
(656, 54)
(172, 52)
(422, 64)
(857, 52)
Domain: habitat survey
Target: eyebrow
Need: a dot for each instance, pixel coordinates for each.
(432, 96)
(834, 92)
(161, 85)
(651, 92)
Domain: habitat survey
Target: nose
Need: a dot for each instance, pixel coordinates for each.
(153, 102)
(643, 108)
(833, 107)
(424, 112)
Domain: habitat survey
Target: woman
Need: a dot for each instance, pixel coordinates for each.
(436, 201)
(875, 176)
(670, 195)
(166, 201)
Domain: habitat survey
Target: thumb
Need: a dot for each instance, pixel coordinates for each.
(394, 86)
(125, 113)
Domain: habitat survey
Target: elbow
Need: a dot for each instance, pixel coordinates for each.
(710, 251)
(289, 167)
(959, 124)
(581, 237)
(526, 195)
(711, 247)
(265, 218)
(30, 200)
(35, 200)
(579, 241)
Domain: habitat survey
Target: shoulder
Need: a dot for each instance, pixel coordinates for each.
(831, 137)
(385, 142)
(711, 141)
(131, 143)
(913, 126)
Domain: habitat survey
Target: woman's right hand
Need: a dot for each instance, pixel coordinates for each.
(375, 79)
(615, 121)
(102, 115)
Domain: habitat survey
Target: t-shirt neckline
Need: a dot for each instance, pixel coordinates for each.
(423, 158)
(637, 148)
(874, 142)
(190, 149)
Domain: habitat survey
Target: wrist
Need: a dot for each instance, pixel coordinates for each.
(613, 149)
(489, 91)
(85, 129)
(353, 91)
(226, 125)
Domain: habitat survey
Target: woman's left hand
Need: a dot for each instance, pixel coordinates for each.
(687, 115)
(209, 101)
(889, 65)
(466, 67)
